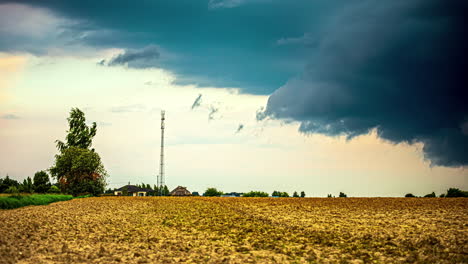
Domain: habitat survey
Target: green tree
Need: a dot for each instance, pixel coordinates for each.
(295, 194)
(27, 186)
(342, 194)
(455, 192)
(79, 134)
(165, 191)
(275, 193)
(255, 194)
(409, 195)
(302, 194)
(79, 171)
(195, 194)
(41, 182)
(283, 194)
(430, 195)
(212, 192)
(6, 183)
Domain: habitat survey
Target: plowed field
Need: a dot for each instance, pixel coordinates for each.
(237, 230)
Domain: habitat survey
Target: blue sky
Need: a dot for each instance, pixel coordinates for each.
(330, 93)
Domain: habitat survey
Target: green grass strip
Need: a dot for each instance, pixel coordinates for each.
(16, 201)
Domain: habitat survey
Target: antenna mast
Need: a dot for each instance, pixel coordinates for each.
(161, 161)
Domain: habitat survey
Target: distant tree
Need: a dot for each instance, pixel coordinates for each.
(255, 194)
(195, 194)
(329, 196)
(109, 191)
(409, 195)
(41, 182)
(342, 194)
(79, 134)
(302, 194)
(442, 195)
(295, 194)
(166, 191)
(455, 192)
(283, 194)
(275, 194)
(79, 171)
(8, 182)
(27, 186)
(53, 189)
(148, 186)
(156, 190)
(212, 192)
(430, 195)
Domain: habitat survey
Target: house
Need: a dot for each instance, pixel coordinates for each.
(180, 191)
(132, 190)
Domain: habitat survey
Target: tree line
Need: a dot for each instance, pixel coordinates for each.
(211, 192)
(40, 183)
(451, 192)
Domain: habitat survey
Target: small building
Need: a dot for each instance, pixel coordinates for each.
(132, 190)
(180, 191)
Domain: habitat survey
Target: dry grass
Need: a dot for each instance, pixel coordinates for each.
(238, 230)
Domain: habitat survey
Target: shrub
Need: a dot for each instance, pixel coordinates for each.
(12, 189)
(53, 189)
(342, 194)
(409, 195)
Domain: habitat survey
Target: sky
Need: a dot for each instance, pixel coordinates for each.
(363, 97)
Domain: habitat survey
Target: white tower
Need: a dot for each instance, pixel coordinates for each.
(161, 161)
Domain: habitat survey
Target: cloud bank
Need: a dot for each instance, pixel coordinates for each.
(398, 66)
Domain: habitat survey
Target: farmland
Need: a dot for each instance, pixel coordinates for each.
(237, 230)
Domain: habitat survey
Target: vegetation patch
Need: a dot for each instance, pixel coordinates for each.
(16, 201)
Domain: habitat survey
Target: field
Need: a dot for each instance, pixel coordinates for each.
(237, 230)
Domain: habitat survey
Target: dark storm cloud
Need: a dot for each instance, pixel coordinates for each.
(197, 102)
(134, 58)
(399, 66)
